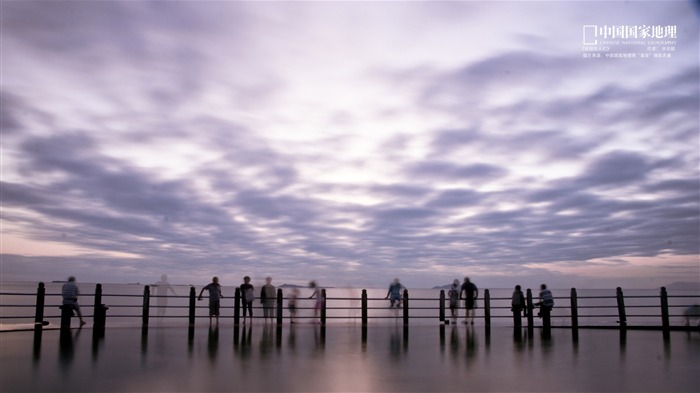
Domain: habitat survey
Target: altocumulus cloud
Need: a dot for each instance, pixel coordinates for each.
(240, 138)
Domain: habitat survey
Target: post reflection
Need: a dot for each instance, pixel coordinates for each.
(66, 347)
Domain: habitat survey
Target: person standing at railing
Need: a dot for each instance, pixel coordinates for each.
(162, 288)
(70, 293)
(546, 302)
(215, 296)
(517, 303)
(248, 296)
(395, 293)
(319, 300)
(453, 294)
(292, 305)
(268, 298)
(469, 293)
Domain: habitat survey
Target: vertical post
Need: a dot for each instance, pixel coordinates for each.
(237, 307)
(487, 309)
(99, 310)
(621, 308)
(574, 313)
(279, 306)
(191, 308)
(39, 311)
(323, 307)
(530, 308)
(146, 305)
(364, 307)
(442, 306)
(664, 313)
(405, 307)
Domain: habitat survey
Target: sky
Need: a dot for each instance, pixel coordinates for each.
(350, 143)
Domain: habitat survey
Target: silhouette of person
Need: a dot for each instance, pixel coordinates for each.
(162, 288)
(453, 295)
(248, 296)
(395, 293)
(470, 293)
(70, 293)
(691, 313)
(292, 305)
(215, 296)
(546, 302)
(319, 299)
(268, 299)
(517, 302)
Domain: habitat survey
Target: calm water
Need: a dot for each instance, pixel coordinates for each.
(308, 358)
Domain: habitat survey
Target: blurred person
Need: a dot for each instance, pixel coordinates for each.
(268, 298)
(546, 302)
(318, 295)
(292, 305)
(395, 293)
(517, 302)
(162, 288)
(453, 295)
(70, 293)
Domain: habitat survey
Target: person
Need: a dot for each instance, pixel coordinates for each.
(546, 302)
(292, 305)
(215, 296)
(395, 293)
(248, 296)
(453, 294)
(517, 303)
(70, 294)
(162, 288)
(469, 293)
(268, 298)
(692, 313)
(319, 299)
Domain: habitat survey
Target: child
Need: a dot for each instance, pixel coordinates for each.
(292, 305)
(453, 294)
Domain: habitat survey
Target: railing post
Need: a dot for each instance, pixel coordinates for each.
(405, 307)
(364, 307)
(192, 303)
(442, 306)
(237, 307)
(279, 306)
(621, 308)
(664, 312)
(99, 313)
(487, 309)
(323, 307)
(574, 312)
(39, 311)
(146, 305)
(530, 310)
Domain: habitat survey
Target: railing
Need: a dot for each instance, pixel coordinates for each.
(580, 308)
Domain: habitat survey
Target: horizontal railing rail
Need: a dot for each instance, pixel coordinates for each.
(570, 310)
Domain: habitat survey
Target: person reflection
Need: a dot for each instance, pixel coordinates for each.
(66, 347)
(471, 343)
(213, 342)
(266, 341)
(244, 349)
(162, 289)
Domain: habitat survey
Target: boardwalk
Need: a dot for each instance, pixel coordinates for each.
(307, 357)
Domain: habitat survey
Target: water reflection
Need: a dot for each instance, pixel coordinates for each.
(465, 356)
(68, 340)
(213, 342)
